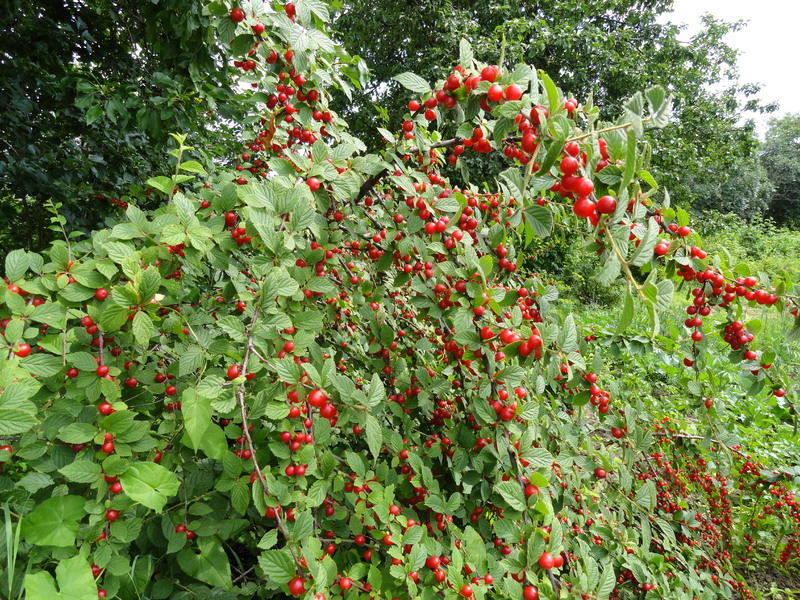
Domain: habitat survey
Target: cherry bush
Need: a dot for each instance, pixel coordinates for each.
(321, 372)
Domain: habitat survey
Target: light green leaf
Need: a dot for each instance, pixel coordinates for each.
(511, 492)
(143, 328)
(278, 565)
(413, 82)
(42, 365)
(77, 433)
(192, 166)
(374, 435)
(16, 264)
(54, 522)
(81, 471)
(150, 484)
(207, 563)
(75, 582)
(540, 218)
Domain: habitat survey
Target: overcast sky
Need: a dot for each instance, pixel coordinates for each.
(768, 44)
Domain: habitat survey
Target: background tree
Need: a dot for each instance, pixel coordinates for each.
(90, 90)
(630, 46)
(780, 156)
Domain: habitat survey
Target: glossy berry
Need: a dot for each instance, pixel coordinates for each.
(22, 350)
(297, 586)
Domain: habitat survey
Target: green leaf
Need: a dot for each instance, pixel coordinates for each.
(207, 563)
(280, 283)
(41, 365)
(626, 317)
(197, 414)
(413, 82)
(607, 581)
(77, 433)
(630, 164)
(81, 471)
(192, 166)
(16, 264)
(646, 496)
(148, 285)
(150, 484)
(143, 328)
(277, 565)
(50, 313)
(465, 56)
(240, 496)
(162, 184)
(114, 316)
(374, 436)
(511, 492)
(540, 218)
(644, 252)
(377, 393)
(74, 578)
(54, 522)
(190, 361)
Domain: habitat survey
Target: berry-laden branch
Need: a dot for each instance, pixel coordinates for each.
(240, 395)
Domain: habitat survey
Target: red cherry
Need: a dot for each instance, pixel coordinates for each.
(600, 473)
(495, 93)
(513, 92)
(101, 293)
(316, 398)
(233, 371)
(297, 586)
(116, 487)
(313, 184)
(547, 560)
(102, 370)
(237, 15)
(606, 205)
(171, 390)
(112, 515)
(530, 592)
(22, 350)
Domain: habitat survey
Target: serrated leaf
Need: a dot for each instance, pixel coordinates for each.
(143, 328)
(162, 184)
(81, 471)
(374, 436)
(607, 582)
(413, 82)
(42, 365)
(150, 484)
(512, 493)
(465, 55)
(277, 565)
(16, 264)
(54, 522)
(626, 317)
(192, 166)
(77, 433)
(644, 251)
(540, 218)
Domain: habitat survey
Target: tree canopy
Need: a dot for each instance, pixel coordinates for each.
(630, 45)
(780, 156)
(90, 91)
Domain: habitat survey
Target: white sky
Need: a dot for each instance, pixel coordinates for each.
(768, 44)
